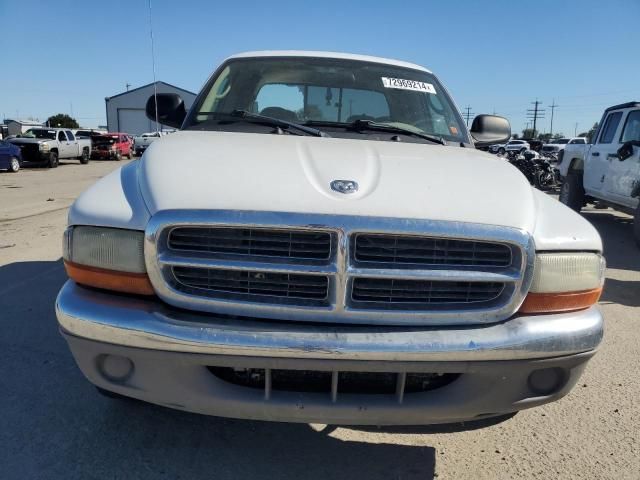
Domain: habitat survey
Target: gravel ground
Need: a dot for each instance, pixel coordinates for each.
(54, 425)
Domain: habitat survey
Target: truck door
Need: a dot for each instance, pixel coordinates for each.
(74, 150)
(63, 145)
(624, 175)
(597, 163)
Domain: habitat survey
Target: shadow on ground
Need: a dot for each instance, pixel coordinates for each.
(56, 426)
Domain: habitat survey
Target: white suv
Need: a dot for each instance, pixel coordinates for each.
(514, 146)
(606, 172)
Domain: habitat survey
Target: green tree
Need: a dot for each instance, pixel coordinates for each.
(62, 120)
(591, 132)
(545, 137)
(529, 133)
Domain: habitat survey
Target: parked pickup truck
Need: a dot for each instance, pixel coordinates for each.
(557, 145)
(142, 142)
(321, 242)
(607, 171)
(47, 146)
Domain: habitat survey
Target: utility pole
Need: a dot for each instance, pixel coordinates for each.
(553, 106)
(127, 85)
(575, 130)
(467, 115)
(534, 114)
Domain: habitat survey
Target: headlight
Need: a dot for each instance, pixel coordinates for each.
(44, 147)
(109, 258)
(565, 281)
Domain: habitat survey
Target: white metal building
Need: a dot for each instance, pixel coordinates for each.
(16, 127)
(125, 111)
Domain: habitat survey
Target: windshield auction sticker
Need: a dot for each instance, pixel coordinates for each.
(388, 82)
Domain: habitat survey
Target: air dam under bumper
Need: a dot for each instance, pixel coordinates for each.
(146, 350)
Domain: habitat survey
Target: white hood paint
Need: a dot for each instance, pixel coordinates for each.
(235, 171)
(286, 173)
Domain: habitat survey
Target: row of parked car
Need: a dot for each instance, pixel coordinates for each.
(47, 146)
(553, 147)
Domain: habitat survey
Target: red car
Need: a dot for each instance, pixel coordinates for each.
(112, 145)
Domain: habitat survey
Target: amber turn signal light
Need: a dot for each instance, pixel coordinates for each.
(137, 283)
(560, 302)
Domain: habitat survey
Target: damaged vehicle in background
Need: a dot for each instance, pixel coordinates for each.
(111, 146)
(606, 172)
(322, 242)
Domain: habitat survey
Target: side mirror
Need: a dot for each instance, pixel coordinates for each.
(626, 150)
(489, 129)
(171, 110)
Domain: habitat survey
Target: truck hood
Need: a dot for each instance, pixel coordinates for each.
(26, 141)
(286, 173)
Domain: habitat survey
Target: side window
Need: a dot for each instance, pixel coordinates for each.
(610, 127)
(70, 135)
(61, 137)
(631, 127)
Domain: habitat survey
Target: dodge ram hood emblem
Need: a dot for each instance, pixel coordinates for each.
(344, 186)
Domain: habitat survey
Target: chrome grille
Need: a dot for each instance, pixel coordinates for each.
(424, 293)
(259, 242)
(418, 250)
(335, 268)
(219, 282)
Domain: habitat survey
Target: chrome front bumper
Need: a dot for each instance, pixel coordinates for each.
(170, 352)
(148, 324)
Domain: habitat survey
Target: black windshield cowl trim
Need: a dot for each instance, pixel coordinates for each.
(361, 125)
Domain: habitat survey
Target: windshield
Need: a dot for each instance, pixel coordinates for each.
(328, 93)
(40, 133)
(560, 141)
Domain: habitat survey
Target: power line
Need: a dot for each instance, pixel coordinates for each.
(535, 113)
(553, 106)
(467, 115)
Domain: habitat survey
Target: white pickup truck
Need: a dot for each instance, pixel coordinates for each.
(47, 146)
(607, 171)
(142, 142)
(322, 242)
(557, 145)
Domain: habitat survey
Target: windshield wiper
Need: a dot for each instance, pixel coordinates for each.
(360, 125)
(270, 121)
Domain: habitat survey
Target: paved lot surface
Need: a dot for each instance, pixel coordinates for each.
(53, 424)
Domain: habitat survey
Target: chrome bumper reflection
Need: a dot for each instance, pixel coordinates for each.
(149, 324)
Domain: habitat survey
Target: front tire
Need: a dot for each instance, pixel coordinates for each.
(14, 165)
(84, 158)
(501, 151)
(53, 160)
(572, 191)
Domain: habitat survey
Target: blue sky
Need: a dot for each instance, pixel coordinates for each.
(63, 55)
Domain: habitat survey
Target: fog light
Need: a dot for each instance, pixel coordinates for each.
(547, 380)
(115, 368)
